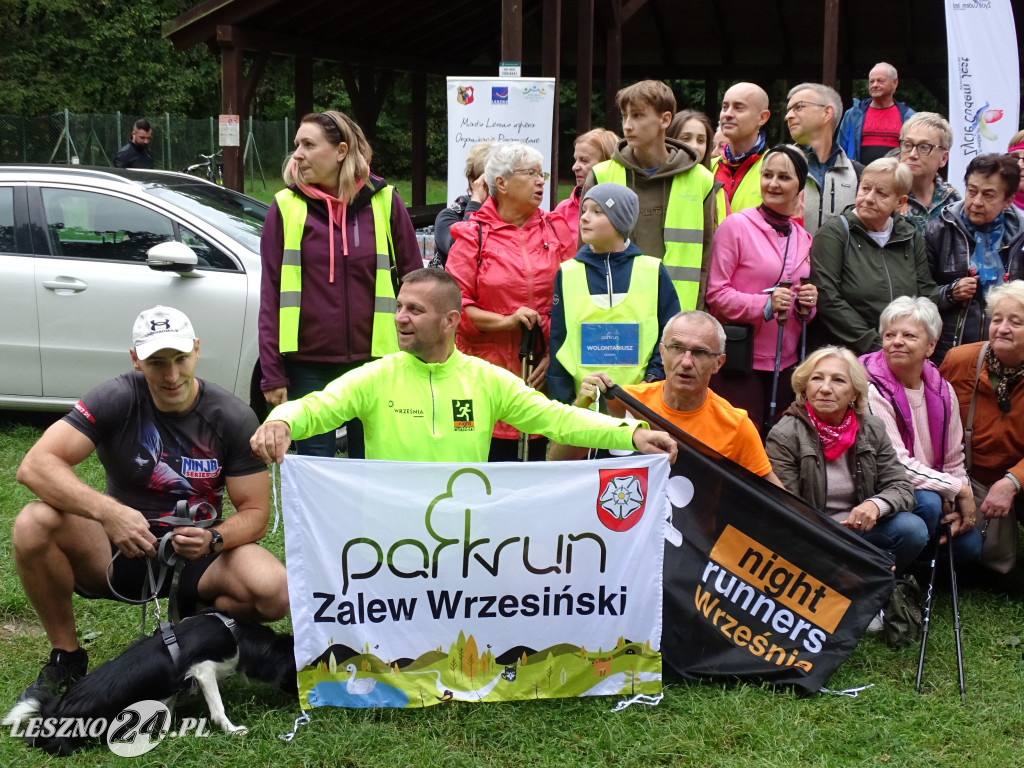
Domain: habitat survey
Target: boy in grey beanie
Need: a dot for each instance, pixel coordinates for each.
(620, 204)
(609, 287)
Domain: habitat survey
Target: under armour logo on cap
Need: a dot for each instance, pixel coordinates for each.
(162, 328)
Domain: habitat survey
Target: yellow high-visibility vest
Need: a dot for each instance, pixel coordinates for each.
(636, 308)
(747, 194)
(384, 338)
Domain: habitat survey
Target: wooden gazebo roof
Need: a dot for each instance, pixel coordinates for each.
(615, 40)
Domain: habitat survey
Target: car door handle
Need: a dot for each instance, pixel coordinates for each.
(62, 284)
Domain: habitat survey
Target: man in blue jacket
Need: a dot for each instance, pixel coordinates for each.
(871, 127)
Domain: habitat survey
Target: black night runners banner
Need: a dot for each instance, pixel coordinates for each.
(762, 585)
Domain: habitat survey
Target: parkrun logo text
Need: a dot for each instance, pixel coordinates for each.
(466, 551)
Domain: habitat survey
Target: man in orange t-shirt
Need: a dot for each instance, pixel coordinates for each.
(693, 349)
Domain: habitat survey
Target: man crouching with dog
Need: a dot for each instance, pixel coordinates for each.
(163, 436)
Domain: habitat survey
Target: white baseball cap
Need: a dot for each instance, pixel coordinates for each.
(162, 328)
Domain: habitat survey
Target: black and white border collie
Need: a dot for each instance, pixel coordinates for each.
(210, 647)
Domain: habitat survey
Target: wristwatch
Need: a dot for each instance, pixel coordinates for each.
(216, 542)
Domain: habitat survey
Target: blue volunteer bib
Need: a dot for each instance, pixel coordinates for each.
(610, 344)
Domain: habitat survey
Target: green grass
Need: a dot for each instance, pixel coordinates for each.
(746, 726)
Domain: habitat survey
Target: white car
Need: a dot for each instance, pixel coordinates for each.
(84, 250)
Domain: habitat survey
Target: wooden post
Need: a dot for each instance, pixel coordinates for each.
(230, 104)
(303, 87)
(712, 106)
(550, 66)
(512, 30)
(830, 54)
(419, 138)
(613, 66)
(584, 65)
(363, 102)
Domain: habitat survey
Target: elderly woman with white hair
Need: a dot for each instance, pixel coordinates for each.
(864, 258)
(504, 260)
(922, 418)
(828, 450)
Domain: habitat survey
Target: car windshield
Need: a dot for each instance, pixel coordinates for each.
(236, 215)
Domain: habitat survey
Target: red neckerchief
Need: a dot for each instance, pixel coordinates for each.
(835, 439)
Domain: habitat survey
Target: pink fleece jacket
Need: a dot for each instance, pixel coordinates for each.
(747, 256)
(570, 210)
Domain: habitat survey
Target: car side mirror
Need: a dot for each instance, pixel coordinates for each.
(171, 256)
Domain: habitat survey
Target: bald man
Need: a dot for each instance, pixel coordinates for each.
(744, 113)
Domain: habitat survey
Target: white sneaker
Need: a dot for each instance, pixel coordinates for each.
(877, 623)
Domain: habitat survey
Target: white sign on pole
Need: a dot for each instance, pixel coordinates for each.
(229, 130)
(984, 80)
(497, 109)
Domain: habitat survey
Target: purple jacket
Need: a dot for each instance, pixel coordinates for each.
(936, 399)
(336, 319)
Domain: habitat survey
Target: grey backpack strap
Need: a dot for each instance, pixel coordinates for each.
(846, 230)
(969, 426)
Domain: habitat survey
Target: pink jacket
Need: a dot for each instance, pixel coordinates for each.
(569, 209)
(513, 267)
(747, 256)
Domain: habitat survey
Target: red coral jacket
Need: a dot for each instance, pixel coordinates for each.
(500, 267)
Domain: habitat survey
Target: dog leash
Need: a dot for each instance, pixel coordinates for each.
(301, 720)
(167, 560)
(640, 698)
(273, 489)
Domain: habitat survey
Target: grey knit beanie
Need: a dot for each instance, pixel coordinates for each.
(620, 204)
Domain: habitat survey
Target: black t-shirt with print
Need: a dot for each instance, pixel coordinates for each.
(153, 458)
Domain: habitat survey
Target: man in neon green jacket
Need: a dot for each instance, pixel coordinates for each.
(430, 402)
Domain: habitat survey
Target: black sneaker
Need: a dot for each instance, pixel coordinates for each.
(59, 674)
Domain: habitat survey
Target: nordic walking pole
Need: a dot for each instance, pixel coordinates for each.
(956, 617)
(961, 319)
(780, 318)
(526, 352)
(805, 314)
(927, 612)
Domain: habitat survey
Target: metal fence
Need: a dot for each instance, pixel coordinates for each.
(67, 138)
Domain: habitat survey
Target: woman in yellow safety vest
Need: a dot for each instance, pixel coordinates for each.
(334, 243)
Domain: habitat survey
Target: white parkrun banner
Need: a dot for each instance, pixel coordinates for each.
(497, 109)
(984, 80)
(414, 583)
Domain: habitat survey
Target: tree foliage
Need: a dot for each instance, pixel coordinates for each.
(103, 56)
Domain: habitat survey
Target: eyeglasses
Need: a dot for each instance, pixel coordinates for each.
(1018, 156)
(697, 353)
(533, 173)
(923, 149)
(799, 106)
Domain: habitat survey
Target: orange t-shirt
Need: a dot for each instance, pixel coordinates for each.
(716, 423)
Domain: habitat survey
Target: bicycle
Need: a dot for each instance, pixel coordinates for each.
(213, 171)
